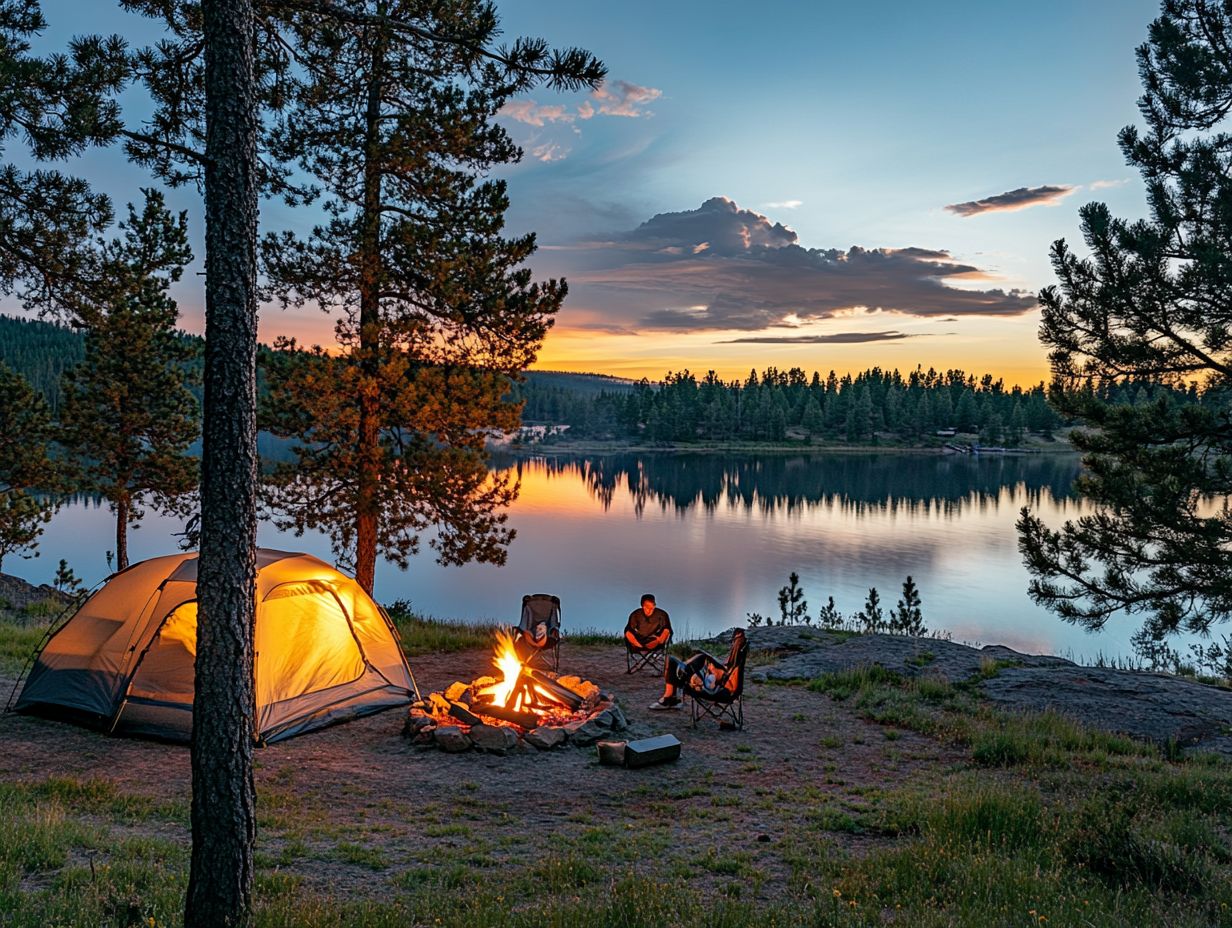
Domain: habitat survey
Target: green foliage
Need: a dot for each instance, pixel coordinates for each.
(793, 608)
(128, 416)
(1149, 313)
(57, 106)
(25, 467)
(871, 618)
(907, 618)
(65, 580)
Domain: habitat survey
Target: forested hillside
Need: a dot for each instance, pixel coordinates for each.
(41, 352)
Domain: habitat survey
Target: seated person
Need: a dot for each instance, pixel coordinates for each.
(648, 627)
(702, 673)
(528, 641)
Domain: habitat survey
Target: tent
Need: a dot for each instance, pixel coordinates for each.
(325, 652)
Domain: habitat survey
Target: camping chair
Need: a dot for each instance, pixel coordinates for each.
(638, 657)
(539, 609)
(724, 702)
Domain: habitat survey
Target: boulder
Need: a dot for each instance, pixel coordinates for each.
(452, 739)
(545, 737)
(495, 739)
(586, 733)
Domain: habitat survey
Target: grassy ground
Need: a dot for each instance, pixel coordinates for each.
(1019, 820)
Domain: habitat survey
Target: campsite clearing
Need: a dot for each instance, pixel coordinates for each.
(815, 814)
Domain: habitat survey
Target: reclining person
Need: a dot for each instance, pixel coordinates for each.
(648, 627)
(702, 673)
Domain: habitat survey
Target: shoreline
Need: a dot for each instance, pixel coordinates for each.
(1059, 446)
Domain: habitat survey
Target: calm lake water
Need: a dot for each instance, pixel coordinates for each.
(715, 536)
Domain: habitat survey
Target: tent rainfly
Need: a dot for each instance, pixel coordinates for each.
(324, 652)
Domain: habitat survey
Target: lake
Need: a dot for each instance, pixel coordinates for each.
(714, 537)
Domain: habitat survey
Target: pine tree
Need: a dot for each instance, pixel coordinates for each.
(793, 608)
(58, 106)
(1153, 303)
(25, 467)
(128, 416)
(436, 310)
(871, 617)
(907, 618)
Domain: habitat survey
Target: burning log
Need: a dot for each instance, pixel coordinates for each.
(561, 694)
(526, 720)
(464, 714)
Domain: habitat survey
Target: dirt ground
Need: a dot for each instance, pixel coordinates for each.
(337, 805)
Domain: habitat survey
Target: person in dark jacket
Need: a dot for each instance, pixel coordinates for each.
(648, 627)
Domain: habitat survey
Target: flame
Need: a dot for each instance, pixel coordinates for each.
(506, 661)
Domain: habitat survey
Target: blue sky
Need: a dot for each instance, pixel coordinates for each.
(848, 125)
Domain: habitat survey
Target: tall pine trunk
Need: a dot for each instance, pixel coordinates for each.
(223, 800)
(369, 451)
(122, 507)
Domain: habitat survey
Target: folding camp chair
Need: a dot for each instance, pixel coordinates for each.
(637, 657)
(723, 702)
(537, 635)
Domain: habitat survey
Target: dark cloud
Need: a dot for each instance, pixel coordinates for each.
(838, 338)
(721, 267)
(1022, 198)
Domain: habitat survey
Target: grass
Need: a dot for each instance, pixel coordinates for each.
(422, 635)
(1026, 820)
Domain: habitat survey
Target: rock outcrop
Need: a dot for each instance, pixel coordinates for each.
(1155, 707)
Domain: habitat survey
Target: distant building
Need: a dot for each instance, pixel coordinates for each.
(946, 433)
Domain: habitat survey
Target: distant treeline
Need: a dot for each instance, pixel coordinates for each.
(778, 405)
(774, 406)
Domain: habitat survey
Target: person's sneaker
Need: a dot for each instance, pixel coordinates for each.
(666, 702)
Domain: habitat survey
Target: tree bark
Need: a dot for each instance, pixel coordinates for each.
(223, 800)
(369, 451)
(122, 506)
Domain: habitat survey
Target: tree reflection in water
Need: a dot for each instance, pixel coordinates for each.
(790, 483)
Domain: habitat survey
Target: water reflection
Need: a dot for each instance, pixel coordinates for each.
(852, 483)
(715, 535)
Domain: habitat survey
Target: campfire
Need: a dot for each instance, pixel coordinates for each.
(523, 706)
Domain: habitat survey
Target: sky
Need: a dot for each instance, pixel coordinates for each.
(823, 185)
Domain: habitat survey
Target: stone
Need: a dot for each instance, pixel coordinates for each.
(586, 732)
(545, 737)
(452, 739)
(611, 753)
(416, 722)
(495, 739)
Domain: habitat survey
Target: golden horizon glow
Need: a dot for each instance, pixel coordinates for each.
(1007, 348)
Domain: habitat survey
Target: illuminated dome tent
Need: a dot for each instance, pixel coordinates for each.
(324, 652)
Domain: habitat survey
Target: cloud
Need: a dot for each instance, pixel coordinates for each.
(531, 113)
(838, 338)
(1021, 198)
(549, 151)
(611, 98)
(784, 204)
(753, 274)
(615, 98)
(620, 98)
(1105, 184)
